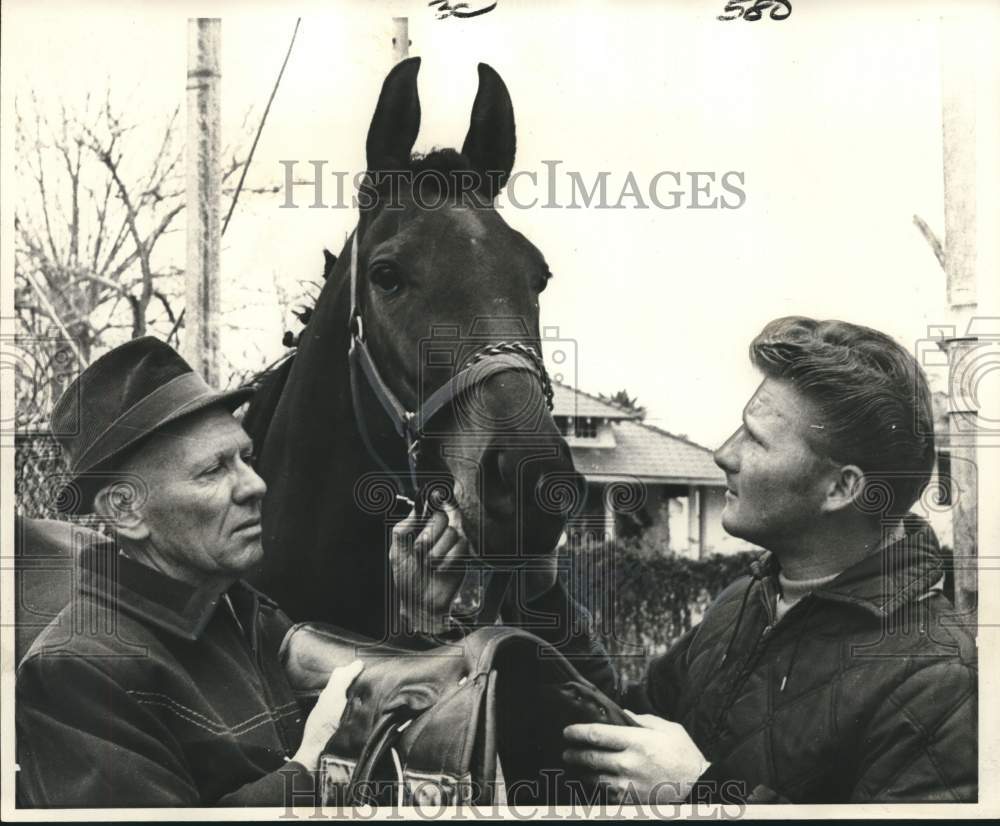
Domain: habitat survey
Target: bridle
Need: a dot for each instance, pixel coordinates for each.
(410, 425)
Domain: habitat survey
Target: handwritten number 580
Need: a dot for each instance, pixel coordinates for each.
(735, 9)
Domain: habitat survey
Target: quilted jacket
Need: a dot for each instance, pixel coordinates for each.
(866, 690)
(145, 691)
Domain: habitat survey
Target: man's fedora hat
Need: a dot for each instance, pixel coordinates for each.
(123, 397)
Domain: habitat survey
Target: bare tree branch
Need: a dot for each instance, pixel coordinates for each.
(97, 195)
(931, 239)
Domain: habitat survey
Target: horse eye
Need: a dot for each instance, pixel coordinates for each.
(386, 278)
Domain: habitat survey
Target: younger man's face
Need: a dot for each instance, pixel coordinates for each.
(776, 481)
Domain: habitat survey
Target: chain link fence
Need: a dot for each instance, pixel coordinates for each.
(39, 470)
(38, 463)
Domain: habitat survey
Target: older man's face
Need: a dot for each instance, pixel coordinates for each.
(204, 497)
(775, 478)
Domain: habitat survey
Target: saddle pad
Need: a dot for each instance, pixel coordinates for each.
(430, 726)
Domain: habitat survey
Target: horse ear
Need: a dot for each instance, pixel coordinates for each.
(396, 121)
(329, 260)
(491, 143)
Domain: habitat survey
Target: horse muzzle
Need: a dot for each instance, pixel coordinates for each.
(530, 491)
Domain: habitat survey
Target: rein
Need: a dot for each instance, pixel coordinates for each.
(410, 425)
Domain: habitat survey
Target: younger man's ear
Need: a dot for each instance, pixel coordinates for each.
(120, 504)
(847, 487)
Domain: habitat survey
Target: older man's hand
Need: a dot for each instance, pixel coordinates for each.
(657, 763)
(324, 719)
(427, 558)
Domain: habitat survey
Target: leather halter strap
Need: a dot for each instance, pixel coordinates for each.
(501, 357)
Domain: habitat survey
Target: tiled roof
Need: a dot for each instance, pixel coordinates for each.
(569, 402)
(640, 450)
(651, 454)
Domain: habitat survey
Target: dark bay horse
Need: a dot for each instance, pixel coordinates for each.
(432, 278)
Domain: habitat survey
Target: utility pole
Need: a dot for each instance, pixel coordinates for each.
(201, 335)
(968, 99)
(400, 39)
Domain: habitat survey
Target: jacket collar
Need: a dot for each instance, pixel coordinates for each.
(882, 582)
(157, 599)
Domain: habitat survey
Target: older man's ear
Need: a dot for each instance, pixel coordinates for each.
(118, 505)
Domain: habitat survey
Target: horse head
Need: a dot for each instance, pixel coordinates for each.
(441, 278)
(431, 280)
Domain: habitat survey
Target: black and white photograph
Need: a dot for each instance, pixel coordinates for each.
(499, 409)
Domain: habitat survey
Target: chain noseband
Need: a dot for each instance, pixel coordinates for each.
(489, 360)
(525, 350)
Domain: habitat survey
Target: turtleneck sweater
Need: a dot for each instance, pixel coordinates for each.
(792, 590)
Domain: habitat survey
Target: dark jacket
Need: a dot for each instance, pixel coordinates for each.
(866, 690)
(165, 701)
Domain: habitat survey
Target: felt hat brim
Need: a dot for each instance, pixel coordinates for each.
(182, 396)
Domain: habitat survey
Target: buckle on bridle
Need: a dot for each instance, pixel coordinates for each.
(411, 434)
(357, 328)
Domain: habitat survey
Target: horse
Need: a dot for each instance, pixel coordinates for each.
(420, 365)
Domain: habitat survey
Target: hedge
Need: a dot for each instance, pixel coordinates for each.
(643, 599)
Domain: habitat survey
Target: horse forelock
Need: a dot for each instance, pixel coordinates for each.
(440, 159)
(442, 173)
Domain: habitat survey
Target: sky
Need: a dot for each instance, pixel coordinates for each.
(832, 120)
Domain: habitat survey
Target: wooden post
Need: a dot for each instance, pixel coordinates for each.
(609, 514)
(702, 522)
(400, 39)
(694, 510)
(964, 90)
(201, 335)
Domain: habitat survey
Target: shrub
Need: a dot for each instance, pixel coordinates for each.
(643, 598)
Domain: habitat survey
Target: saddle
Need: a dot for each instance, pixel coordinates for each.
(477, 721)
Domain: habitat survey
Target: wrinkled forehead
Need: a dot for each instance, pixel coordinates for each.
(193, 438)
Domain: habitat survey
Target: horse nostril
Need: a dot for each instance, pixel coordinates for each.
(504, 464)
(519, 469)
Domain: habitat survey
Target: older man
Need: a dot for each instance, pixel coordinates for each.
(838, 671)
(160, 684)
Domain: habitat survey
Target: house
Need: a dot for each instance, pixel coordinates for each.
(945, 488)
(642, 479)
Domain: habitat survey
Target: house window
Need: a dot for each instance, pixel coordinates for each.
(563, 423)
(586, 428)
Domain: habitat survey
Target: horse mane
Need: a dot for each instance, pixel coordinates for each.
(269, 383)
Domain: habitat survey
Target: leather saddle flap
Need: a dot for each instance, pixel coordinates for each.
(454, 709)
(310, 651)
